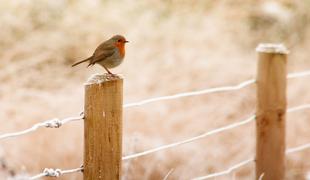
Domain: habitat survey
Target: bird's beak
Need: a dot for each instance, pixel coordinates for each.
(126, 41)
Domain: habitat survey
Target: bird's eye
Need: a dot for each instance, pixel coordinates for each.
(119, 40)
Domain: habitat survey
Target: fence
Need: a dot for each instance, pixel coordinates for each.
(103, 122)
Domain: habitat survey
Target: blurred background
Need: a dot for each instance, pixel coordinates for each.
(175, 46)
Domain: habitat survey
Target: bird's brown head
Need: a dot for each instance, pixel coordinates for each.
(120, 42)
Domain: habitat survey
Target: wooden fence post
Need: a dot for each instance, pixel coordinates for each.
(103, 127)
(270, 111)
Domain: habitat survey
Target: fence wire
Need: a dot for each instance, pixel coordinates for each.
(209, 133)
(299, 148)
(209, 90)
(53, 123)
(204, 135)
(48, 172)
(192, 93)
(298, 74)
(245, 162)
(298, 108)
(228, 171)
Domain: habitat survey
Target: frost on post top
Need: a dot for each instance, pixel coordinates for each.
(272, 48)
(100, 78)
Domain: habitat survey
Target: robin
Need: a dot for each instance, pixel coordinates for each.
(108, 54)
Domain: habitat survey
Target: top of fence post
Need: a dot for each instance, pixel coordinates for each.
(100, 78)
(272, 48)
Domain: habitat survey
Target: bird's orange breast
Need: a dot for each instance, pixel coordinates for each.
(121, 48)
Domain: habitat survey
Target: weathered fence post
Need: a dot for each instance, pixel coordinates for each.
(103, 127)
(270, 112)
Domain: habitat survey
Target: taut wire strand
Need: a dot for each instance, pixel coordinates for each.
(53, 123)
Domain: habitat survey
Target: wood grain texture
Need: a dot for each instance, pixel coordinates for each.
(103, 128)
(270, 116)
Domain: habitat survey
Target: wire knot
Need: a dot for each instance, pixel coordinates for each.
(52, 172)
(54, 123)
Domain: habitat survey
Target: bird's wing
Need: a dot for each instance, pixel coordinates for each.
(102, 52)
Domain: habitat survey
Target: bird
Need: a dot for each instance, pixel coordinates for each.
(108, 54)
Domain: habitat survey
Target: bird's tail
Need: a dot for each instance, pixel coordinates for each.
(77, 63)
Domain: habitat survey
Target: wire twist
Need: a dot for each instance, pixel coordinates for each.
(49, 172)
(54, 123)
(52, 172)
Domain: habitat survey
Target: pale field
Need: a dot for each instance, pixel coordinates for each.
(175, 46)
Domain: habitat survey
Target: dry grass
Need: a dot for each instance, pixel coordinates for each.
(175, 46)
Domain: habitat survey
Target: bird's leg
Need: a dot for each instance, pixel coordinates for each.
(107, 70)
